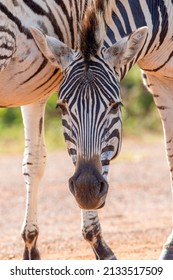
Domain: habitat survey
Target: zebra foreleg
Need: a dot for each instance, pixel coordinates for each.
(167, 252)
(91, 231)
(34, 161)
(162, 90)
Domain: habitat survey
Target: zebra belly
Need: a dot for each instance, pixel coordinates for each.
(19, 88)
(160, 62)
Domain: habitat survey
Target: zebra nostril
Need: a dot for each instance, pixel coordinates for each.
(72, 186)
(103, 188)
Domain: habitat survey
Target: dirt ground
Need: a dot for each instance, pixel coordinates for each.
(136, 219)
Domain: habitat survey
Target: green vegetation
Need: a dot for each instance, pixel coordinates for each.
(12, 134)
(139, 116)
(139, 112)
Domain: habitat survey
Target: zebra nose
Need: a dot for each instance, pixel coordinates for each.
(72, 186)
(102, 189)
(89, 190)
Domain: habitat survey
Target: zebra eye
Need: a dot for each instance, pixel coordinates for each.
(63, 108)
(115, 107)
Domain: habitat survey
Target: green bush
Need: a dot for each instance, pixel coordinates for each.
(139, 111)
(11, 128)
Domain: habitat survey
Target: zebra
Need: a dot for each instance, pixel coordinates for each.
(28, 79)
(44, 49)
(115, 34)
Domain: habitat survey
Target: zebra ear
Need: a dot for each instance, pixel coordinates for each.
(127, 48)
(58, 53)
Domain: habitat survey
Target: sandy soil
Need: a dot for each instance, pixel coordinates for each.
(136, 219)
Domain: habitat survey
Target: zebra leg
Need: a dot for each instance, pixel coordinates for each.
(167, 120)
(91, 231)
(162, 90)
(34, 162)
(167, 251)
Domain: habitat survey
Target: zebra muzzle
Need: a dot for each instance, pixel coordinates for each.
(88, 186)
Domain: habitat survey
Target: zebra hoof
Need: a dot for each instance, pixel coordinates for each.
(166, 254)
(110, 258)
(113, 258)
(33, 255)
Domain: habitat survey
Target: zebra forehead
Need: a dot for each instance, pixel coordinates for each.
(90, 90)
(96, 81)
(97, 70)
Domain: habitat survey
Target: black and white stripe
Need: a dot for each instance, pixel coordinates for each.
(89, 95)
(89, 125)
(87, 128)
(33, 78)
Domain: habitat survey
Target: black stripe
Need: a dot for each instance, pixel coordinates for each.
(51, 87)
(114, 133)
(171, 156)
(124, 15)
(45, 82)
(110, 35)
(44, 63)
(137, 13)
(69, 18)
(123, 71)
(68, 138)
(161, 66)
(164, 14)
(35, 7)
(40, 11)
(41, 125)
(109, 148)
(118, 24)
(105, 162)
(5, 46)
(113, 122)
(162, 108)
(27, 163)
(5, 56)
(26, 174)
(72, 152)
(66, 125)
(21, 28)
(3, 29)
(155, 17)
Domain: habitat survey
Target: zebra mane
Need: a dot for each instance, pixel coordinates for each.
(92, 29)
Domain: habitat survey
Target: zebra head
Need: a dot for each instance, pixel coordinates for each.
(90, 100)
